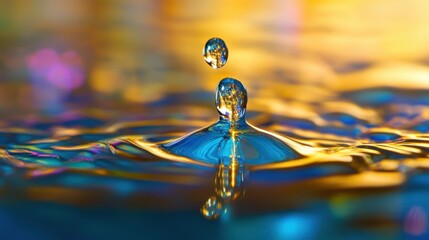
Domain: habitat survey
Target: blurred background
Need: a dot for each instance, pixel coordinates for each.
(78, 77)
(58, 54)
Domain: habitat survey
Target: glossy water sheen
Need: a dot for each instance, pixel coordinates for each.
(344, 169)
(215, 53)
(217, 141)
(356, 162)
(90, 91)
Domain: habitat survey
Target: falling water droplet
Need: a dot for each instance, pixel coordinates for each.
(231, 99)
(215, 52)
(212, 208)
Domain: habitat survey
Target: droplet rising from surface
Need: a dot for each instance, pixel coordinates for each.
(215, 53)
(231, 99)
(232, 137)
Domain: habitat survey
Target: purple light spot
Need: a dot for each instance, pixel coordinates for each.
(49, 68)
(53, 76)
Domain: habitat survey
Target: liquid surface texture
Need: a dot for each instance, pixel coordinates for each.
(358, 159)
(93, 94)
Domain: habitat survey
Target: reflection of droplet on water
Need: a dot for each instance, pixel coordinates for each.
(229, 181)
(231, 99)
(212, 208)
(215, 52)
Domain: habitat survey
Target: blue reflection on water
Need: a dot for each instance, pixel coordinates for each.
(216, 141)
(296, 226)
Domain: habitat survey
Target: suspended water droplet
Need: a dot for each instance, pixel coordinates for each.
(231, 99)
(212, 208)
(215, 52)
